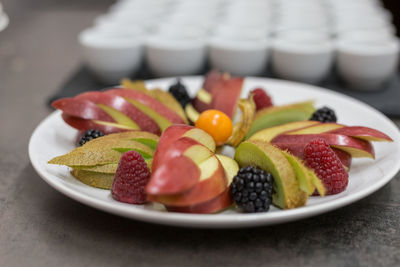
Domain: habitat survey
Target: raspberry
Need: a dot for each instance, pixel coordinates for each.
(324, 114)
(130, 179)
(261, 98)
(252, 189)
(319, 156)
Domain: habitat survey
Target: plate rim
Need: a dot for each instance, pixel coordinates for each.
(219, 220)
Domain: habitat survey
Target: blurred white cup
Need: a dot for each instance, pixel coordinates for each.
(367, 65)
(239, 56)
(302, 57)
(108, 56)
(175, 55)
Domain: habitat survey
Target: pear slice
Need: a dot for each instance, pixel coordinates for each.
(95, 179)
(105, 153)
(287, 194)
(108, 149)
(302, 173)
(106, 168)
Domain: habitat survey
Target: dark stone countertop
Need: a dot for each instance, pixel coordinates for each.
(41, 227)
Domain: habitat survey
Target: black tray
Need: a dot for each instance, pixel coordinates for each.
(386, 99)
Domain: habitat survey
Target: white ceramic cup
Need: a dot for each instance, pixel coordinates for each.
(109, 57)
(302, 58)
(175, 55)
(238, 56)
(367, 65)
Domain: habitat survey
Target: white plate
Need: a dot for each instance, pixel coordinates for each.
(53, 137)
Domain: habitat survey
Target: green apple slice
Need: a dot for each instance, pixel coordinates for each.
(301, 171)
(278, 115)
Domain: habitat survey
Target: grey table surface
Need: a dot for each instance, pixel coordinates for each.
(41, 227)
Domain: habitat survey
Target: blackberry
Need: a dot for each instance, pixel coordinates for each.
(252, 189)
(89, 135)
(324, 114)
(178, 90)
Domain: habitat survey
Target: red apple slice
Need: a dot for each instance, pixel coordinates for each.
(173, 177)
(268, 134)
(317, 128)
(355, 147)
(222, 201)
(227, 95)
(148, 101)
(81, 108)
(210, 80)
(120, 104)
(183, 146)
(364, 133)
(176, 131)
(213, 182)
(104, 126)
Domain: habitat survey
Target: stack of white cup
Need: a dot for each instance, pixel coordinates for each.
(303, 48)
(367, 51)
(300, 39)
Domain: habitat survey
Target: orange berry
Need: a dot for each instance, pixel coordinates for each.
(217, 124)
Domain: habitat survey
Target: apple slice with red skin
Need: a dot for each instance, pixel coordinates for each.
(104, 126)
(81, 108)
(120, 104)
(213, 182)
(148, 101)
(268, 134)
(297, 149)
(361, 132)
(225, 98)
(224, 90)
(176, 131)
(173, 176)
(183, 146)
(210, 80)
(317, 128)
(222, 201)
(355, 147)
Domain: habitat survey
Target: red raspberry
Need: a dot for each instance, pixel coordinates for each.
(130, 179)
(261, 98)
(319, 156)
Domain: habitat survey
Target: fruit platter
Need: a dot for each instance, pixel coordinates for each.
(215, 151)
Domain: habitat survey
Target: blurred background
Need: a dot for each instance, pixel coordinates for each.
(60, 47)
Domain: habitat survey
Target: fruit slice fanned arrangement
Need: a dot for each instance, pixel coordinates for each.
(120, 109)
(284, 154)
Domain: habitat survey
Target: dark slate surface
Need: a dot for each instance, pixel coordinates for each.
(41, 227)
